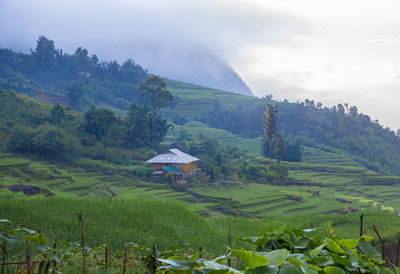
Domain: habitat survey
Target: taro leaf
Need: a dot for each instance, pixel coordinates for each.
(333, 270)
(178, 264)
(370, 251)
(260, 240)
(264, 270)
(366, 238)
(5, 221)
(318, 249)
(24, 230)
(348, 243)
(334, 247)
(302, 243)
(277, 257)
(43, 248)
(295, 261)
(340, 260)
(216, 267)
(289, 269)
(251, 258)
(37, 238)
(10, 240)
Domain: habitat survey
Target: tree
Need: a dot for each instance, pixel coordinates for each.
(99, 121)
(279, 147)
(57, 114)
(74, 96)
(136, 127)
(269, 125)
(155, 90)
(44, 52)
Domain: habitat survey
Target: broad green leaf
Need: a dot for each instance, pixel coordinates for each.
(302, 243)
(334, 247)
(333, 270)
(37, 238)
(340, 260)
(251, 258)
(259, 240)
(366, 238)
(370, 251)
(10, 240)
(178, 264)
(264, 270)
(24, 230)
(5, 221)
(277, 257)
(316, 250)
(213, 265)
(289, 269)
(348, 243)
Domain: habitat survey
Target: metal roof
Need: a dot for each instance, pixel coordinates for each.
(172, 170)
(174, 156)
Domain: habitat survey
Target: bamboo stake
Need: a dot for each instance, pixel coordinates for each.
(106, 254)
(200, 251)
(155, 255)
(229, 241)
(5, 257)
(383, 245)
(397, 252)
(80, 218)
(125, 259)
(361, 224)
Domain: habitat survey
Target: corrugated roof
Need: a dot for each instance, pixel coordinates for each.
(174, 156)
(172, 170)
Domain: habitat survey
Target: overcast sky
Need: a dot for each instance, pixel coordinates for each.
(330, 51)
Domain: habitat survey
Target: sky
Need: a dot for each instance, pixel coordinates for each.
(329, 51)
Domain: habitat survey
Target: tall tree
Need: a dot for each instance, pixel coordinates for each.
(279, 147)
(74, 96)
(155, 90)
(269, 125)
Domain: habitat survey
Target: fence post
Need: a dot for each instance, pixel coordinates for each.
(106, 254)
(5, 257)
(125, 259)
(80, 218)
(55, 253)
(397, 252)
(200, 252)
(229, 240)
(155, 255)
(361, 224)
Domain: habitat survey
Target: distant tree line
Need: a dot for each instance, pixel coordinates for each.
(82, 78)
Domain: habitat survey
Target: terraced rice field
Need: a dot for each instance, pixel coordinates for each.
(322, 188)
(225, 137)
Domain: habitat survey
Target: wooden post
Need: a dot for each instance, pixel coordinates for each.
(361, 224)
(55, 253)
(125, 259)
(5, 257)
(80, 218)
(229, 241)
(106, 254)
(383, 245)
(200, 251)
(397, 252)
(155, 255)
(28, 259)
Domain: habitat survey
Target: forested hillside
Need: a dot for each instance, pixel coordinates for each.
(80, 80)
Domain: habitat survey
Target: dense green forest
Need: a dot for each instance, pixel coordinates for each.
(82, 78)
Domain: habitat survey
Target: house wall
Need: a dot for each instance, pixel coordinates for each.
(182, 167)
(189, 166)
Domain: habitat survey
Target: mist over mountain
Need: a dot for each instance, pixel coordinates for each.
(197, 65)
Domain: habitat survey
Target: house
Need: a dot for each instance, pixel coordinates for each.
(175, 162)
